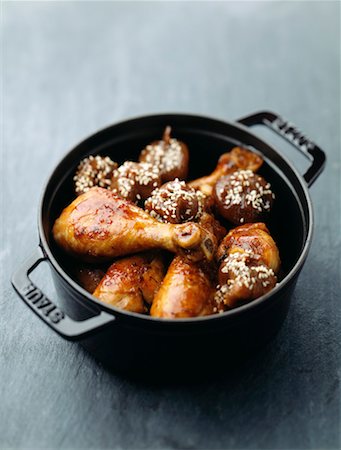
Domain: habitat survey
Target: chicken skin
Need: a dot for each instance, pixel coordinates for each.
(132, 281)
(237, 159)
(212, 225)
(253, 237)
(188, 287)
(186, 291)
(249, 262)
(99, 226)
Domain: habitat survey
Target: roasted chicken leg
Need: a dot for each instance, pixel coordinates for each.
(237, 159)
(249, 262)
(188, 287)
(253, 237)
(186, 291)
(99, 226)
(131, 281)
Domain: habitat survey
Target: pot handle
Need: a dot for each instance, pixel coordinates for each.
(294, 136)
(50, 313)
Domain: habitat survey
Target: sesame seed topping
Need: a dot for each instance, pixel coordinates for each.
(242, 270)
(132, 175)
(166, 157)
(245, 188)
(93, 171)
(164, 202)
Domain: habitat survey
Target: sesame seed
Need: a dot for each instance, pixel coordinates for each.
(93, 171)
(245, 188)
(164, 202)
(131, 175)
(166, 157)
(242, 270)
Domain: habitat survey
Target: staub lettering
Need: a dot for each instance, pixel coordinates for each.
(42, 303)
(293, 134)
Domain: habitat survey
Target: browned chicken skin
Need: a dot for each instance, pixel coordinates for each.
(99, 226)
(186, 291)
(254, 237)
(249, 261)
(131, 281)
(237, 159)
(212, 225)
(188, 287)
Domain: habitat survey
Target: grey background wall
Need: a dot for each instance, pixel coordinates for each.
(70, 68)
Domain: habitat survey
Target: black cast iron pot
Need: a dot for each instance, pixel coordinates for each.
(137, 343)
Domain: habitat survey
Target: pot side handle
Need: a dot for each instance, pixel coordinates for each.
(46, 310)
(294, 136)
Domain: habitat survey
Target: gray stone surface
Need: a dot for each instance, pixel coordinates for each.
(71, 68)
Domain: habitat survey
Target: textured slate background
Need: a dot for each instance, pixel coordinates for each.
(71, 68)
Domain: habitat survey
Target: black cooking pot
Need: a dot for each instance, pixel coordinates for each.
(133, 342)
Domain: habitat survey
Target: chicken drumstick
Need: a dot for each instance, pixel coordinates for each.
(186, 291)
(131, 281)
(249, 263)
(237, 159)
(99, 226)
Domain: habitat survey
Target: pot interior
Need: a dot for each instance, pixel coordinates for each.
(207, 139)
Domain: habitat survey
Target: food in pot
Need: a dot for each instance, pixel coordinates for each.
(243, 197)
(212, 225)
(99, 226)
(132, 282)
(135, 181)
(237, 159)
(93, 171)
(249, 262)
(186, 291)
(175, 202)
(188, 287)
(254, 237)
(104, 223)
(169, 155)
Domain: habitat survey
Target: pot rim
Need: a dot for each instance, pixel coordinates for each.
(240, 310)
